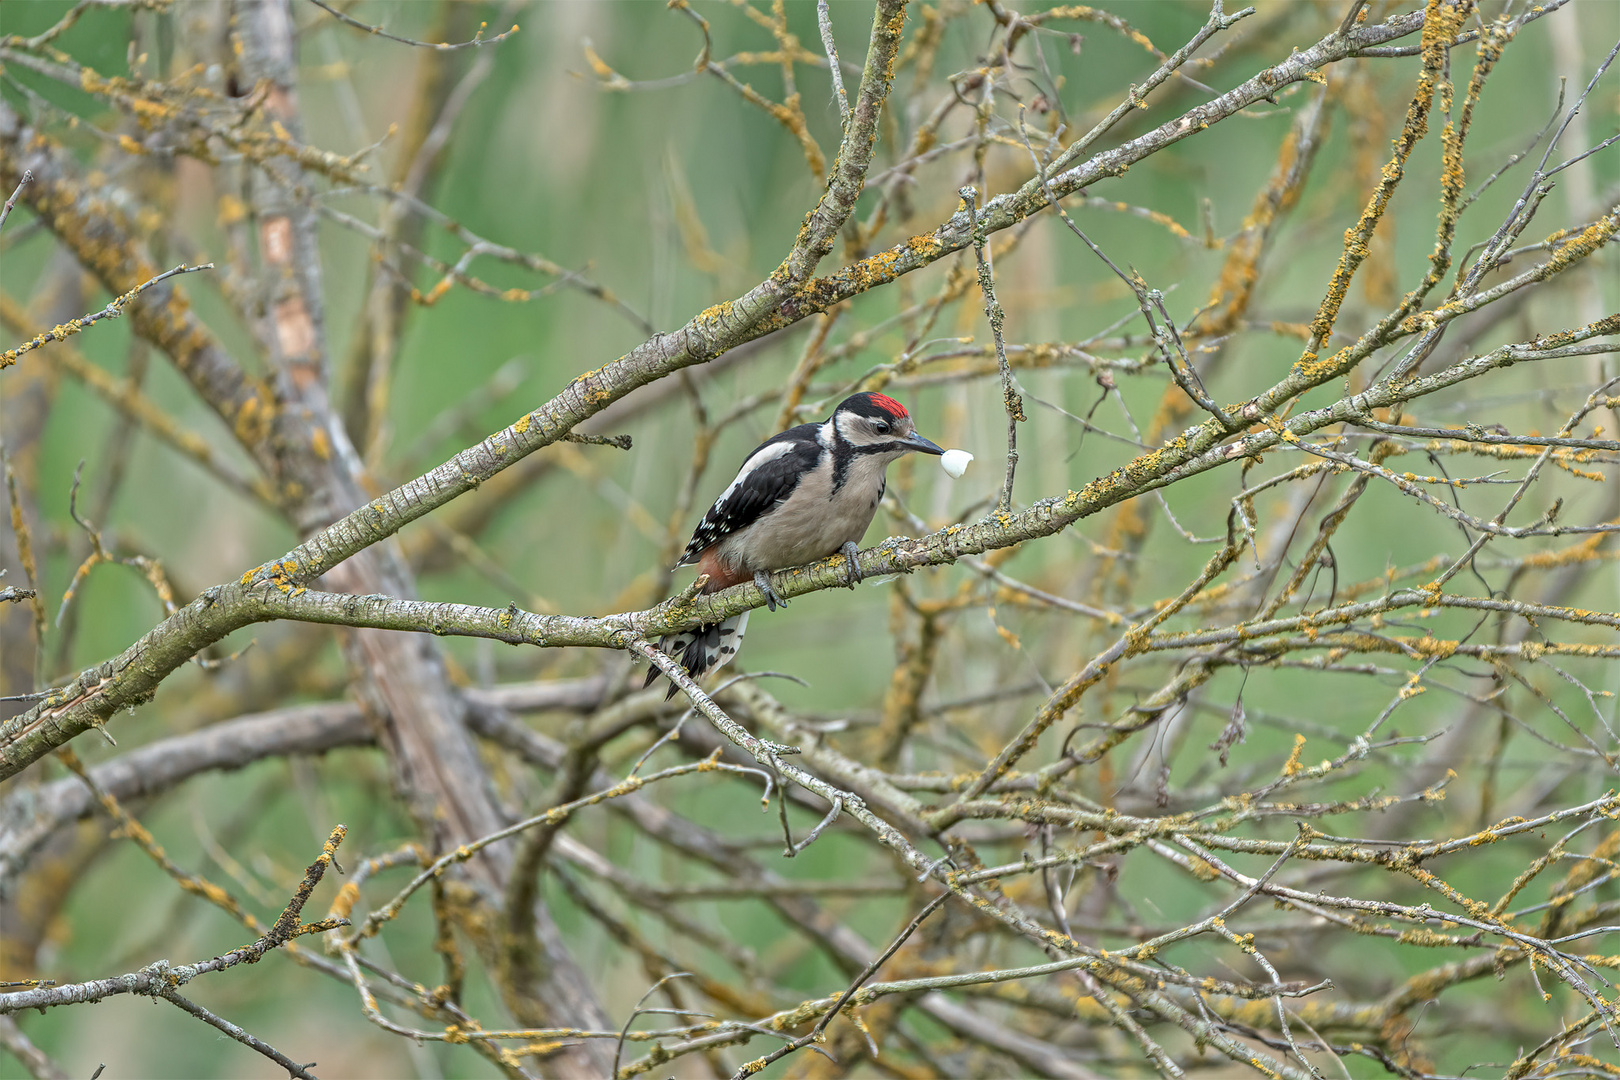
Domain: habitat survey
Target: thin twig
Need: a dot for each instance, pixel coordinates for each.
(753, 1068)
(111, 311)
(1011, 401)
(618, 1049)
(247, 1039)
(28, 175)
(824, 21)
(477, 39)
(793, 849)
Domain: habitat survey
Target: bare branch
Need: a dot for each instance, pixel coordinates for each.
(477, 39)
(111, 311)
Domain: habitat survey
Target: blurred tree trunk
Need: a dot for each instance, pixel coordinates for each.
(400, 679)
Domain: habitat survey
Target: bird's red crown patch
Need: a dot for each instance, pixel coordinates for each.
(888, 404)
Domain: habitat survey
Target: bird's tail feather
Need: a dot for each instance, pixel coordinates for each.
(702, 650)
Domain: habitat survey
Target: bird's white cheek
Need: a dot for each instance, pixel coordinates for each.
(955, 462)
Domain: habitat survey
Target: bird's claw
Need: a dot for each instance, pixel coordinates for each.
(852, 567)
(762, 581)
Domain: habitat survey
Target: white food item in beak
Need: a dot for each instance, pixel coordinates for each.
(955, 462)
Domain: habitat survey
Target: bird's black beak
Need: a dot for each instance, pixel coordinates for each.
(917, 442)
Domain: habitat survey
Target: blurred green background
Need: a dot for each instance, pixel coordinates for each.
(620, 186)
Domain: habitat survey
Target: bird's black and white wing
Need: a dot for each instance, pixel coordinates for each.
(764, 482)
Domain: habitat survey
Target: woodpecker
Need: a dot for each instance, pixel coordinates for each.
(803, 495)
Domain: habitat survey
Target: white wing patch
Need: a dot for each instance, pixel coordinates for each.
(769, 452)
(765, 478)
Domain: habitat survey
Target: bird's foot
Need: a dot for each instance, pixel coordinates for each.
(763, 581)
(852, 566)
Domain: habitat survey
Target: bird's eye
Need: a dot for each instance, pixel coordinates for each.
(880, 426)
